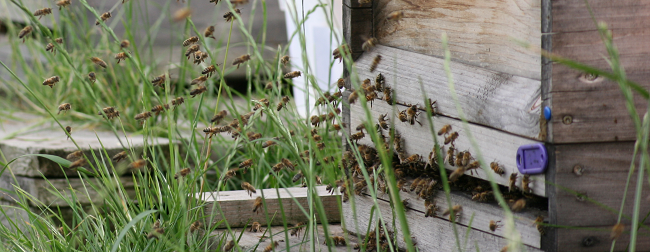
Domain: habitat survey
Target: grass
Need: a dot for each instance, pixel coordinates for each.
(122, 220)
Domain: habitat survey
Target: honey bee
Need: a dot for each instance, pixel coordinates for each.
(494, 225)
(444, 130)
(121, 56)
(482, 196)
(451, 138)
(292, 75)
(413, 159)
(519, 205)
(353, 97)
(466, 158)
(91, 77)
(459, 159)
(457, 209)
(262, 102)
(75, 155)
(338, 127)
(64, 107)
(142, 116)
(369, 44)
(215, 1)
(395, 15)
(456, 174)
(119, 156)
(238, 2)
(357, 136)
(24, 32)
(513, 182)
(98, 62)
(125, 44)
(253, 136)
(208, 71)
(380, 82)
(388, 95)
(340, 83)
(255, 227)
(375, 63)
(297, 228)
(50, 46)
(182, 14)
(103, 17)
(257, 205)
(178, 101)
(62, 3)
(402, 116)
(269, 85)
(182, 173)
(268, 143)
(525, 184)
(282, 103)
(338, 240)
(284, 60)
(431, 210)
(69, 130)
(219, 116)
(450, 156)
(337, 52)
(229, 174)
(229, 16)
(365, 1)
(51, 81)
(191, 50)
(539, 223)
(412, 114)
(107, 110)
(195, 226)
(371, 97)
(229, 246)
(209, 32)
(496, 168)
(42, 12)
(199, 80)
(78, 163)
(297, 177)
(241, 60)
(197, 91)
(244, 118)
(136, 165)
(271, 246)
(159, 108)
(287, 163)
(199, 57)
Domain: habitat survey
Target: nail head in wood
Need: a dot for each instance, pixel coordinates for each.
(567, 119)
(577, 170)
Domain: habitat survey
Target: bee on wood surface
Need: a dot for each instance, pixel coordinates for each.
(229, 246)
(284, 60)
(297, 229)
(209, 32)
(338, 240)
(51, 81)
(191, 50)
(451, 138)
(105, 16)
(357, 136)
(292, 75)
(519, 205)
(459, 159)
(136, 165)
(395, 15)
(383, 121)
(337, 52)
(282, 103)
(371, 97)
(482, 196)
(340, 83)
(241, 60)
(353, 97)
(119, 156)
(497, 168)
(91, 77)
(195, 226)
(62, 3)
(78, 163)
(413, 159)
(512, 186)
(525, 184)
(197, 91)
(444, 130)
(255, 227)
(181, 14)
(229, 16)
(450, 156)
(42, 12)
(124, 44)
(494, 225)
(199, 80)
(457, 209)
(182, 173)
(199, 57)
(361, 127)
(375, 63)
(64, 107)
(50, 46)
(142, 116)
(369, 44)
(24, 32)
(178, 101)
(271, 246)
(539, 224)
(380, 82)
(208, 71)
(75, 155)
(69, 130)
(121, 56)
(98, 62)
(402, 116)
(257, 205)
(431, 210)
(388, 95)
(433, 107)
(473, 165)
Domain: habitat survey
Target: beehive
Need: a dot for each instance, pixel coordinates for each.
(503, 88)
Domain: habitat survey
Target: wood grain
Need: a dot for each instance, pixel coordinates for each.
(498, 100)
(481, 33)
(431, 234)
(357, 27)
(598, 239)
(494, 145)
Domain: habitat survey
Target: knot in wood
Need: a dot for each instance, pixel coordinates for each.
(567, 119)
(589, 241)
(577, 170)
(581, 197)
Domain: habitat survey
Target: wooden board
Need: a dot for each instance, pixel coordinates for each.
(237, 206)
(357, 26)
(498, 100)
(481, 33)
(598, 239)
(431, 234)
(494, 145)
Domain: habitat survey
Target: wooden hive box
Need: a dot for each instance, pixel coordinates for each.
(503, 88)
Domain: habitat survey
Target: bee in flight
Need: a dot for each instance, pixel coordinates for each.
(190, 40)
(229, 16)
(91, 77)
(292, 75)
(50, 46)
(103, 17)
(209, 32)
(98, 62)
(51, 81)
(121, 56)
(62, 3)
(375, 63)
(24, 32)
(284, 60)
(42, 12)
(208, 71)
(125, 44)
(198, 91)
(181, 14)
(64, 107)
(241, 59)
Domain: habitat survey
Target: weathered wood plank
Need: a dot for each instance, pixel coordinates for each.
(598, 239)
(494, 145)
(573, 15)
(481, 33)
(431, 234)
(356, 4)
(357, 27)
(483, 214)
(498, 100)
(237, 206)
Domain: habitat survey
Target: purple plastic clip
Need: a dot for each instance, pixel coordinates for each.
(532, 158)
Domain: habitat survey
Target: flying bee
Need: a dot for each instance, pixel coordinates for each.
(297, 228)
(255, 227)
(473, 165)
(525, 184)
(142, 116)
(287, 163)
(241, 60)
(338, 127)
(269, 85)
(388, 95)
(181, 14)
(103, 17)
(282, 103)
(539, 223)
(50, 46)
(106, 110)
(209, 32)
(191, 50)
(229, 16)
(357, 136)
(268, 143)
(78, 163)
(42, 12)
(297, 177)
(353, 97)
(219, 116)
(124, 44)
(340, 83)
(395, 15)
(199, 80)
(178, 101)
(62, 3)
(519, 205)
(317, 138)
(244, 118)
(64, 107)
(457, 209)
(75, 155)
(271, 246)
(257, 205)
(451, 138)
(159, 108)
(292, 75)
(284, 60)
(119, 156)
(182, 173)
(136, 165)
(195, 226)
(246, 164)
(444, 130)
(337, 52)
(92, 77)
(369, 44)
(69, 130)
(513, 182)
(375, 63)
(208, 71)
(51, 81)
(456, 174)
(230, 173)
(121, 56)
(494, 225)
(98, 62)
(197, 91)
(229, 246)
(24, 32)
(262, 102)
(199, 57)
(253, 136)
(238, 2)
